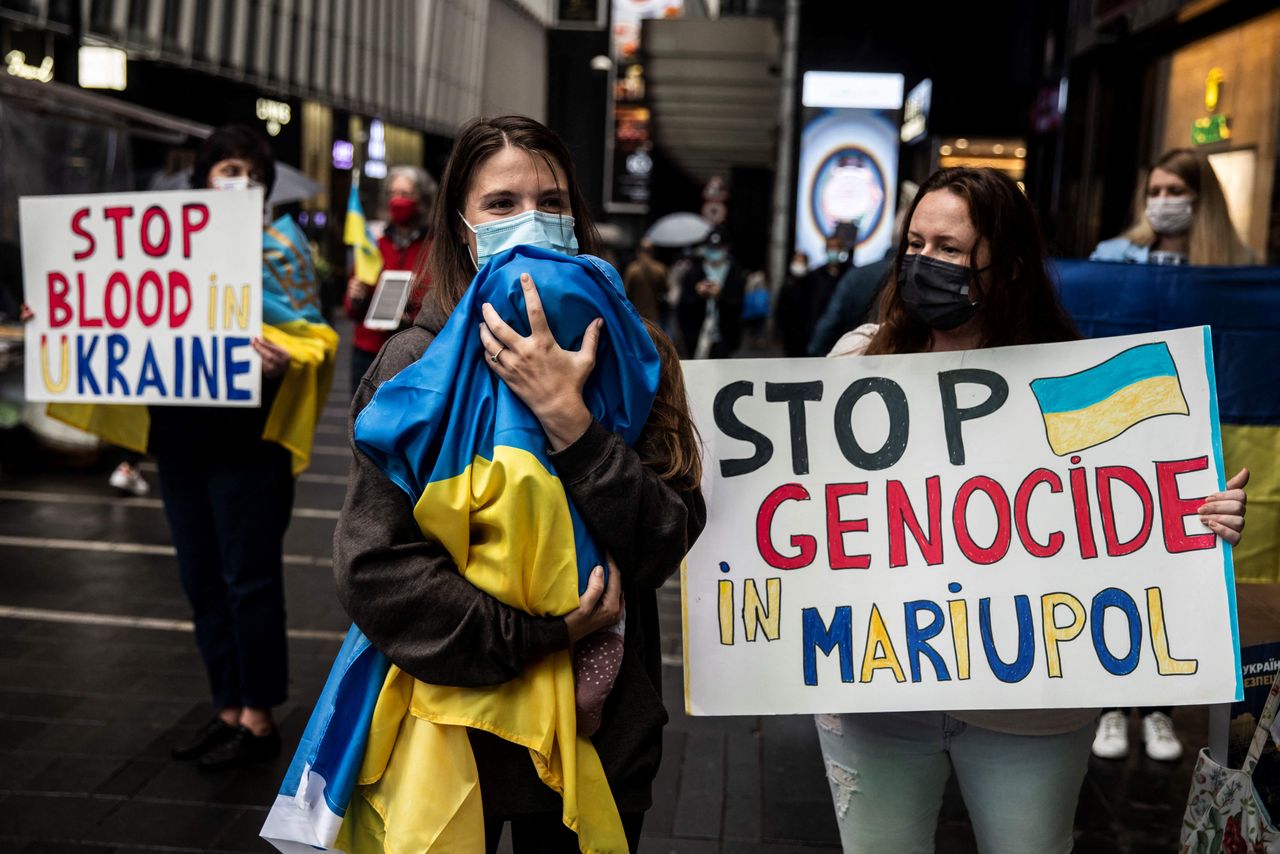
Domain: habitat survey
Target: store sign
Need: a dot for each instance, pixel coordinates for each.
(276, 114)
(1215, 127)
(103, 68)
(143, 297)
(16, 64)
(344, 154)
(915, 116)
(1008, 528)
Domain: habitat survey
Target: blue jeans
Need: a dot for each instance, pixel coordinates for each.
(888, 772)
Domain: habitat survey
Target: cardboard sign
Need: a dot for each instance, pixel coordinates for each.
(143, 297)
(993, 529)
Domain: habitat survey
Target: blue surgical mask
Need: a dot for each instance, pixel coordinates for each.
(531, 228)
(714, 255)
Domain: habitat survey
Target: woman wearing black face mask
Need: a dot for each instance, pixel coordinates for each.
(969, 273)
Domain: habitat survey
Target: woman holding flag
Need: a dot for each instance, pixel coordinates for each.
(402, 245)
(529, 429)
(969, 273)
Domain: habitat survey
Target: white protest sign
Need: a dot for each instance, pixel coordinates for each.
(993, 529)
(143, 297)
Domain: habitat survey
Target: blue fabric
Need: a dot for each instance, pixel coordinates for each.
(1241, 304)
(290, 288)
(1121, 249)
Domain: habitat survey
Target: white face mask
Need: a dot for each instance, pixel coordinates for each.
(1170, 215)
(531, 228)
(233, 182)
(798, 269)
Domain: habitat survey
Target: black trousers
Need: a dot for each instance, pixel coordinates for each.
(546, 834)
(227, 516)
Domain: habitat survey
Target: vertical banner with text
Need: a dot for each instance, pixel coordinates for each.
(992, 529)
(143, 297)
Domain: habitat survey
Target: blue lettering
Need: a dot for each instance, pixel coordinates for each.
(206, 367)
(817, 634)
(117, 352)
(84, 371)
(1113, 597)
(179, 362)
(150, 373)
(234, 368)
(1021, 666)
(918, 638)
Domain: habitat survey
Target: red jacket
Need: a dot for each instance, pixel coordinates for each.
(396, 255)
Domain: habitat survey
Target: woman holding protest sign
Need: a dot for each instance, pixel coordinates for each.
(1180, 217)
(969, 273)
(508, 195)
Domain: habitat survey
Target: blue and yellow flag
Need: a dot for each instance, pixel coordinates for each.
(291, 319)
(1091, 406)
(356, 234)
(1242, 305)
(472, 458)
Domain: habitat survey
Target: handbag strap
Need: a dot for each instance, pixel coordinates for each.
(1263, 731)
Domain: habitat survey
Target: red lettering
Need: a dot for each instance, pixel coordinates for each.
(901, 516)
(838, 527)
(178, 284)
(1084, 523)
(152, 278)
(117, 281)
(189, 227)
(86, 322)
(1130, 478)
(59, 307)
(155, 250)
(1174, 508)
(1021, 505)
(118, 215)
(807, 545)
(76, 219)
(1004, 531)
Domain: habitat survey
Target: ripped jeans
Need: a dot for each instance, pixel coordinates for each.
(888, 772)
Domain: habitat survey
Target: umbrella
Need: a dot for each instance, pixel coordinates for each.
(678, 229)
(291, 186)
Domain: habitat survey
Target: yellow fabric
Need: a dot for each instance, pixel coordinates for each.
(355, 233)
(294, 412)
(1256, 447)
(507, 523)
(304, 389)
(1106, 419)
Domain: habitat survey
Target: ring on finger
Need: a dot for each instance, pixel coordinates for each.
(496, 356)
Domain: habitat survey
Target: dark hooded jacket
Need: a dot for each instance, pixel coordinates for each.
(407, 596)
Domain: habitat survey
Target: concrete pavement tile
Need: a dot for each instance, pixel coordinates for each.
(743, 788)
(666, 786)
(63, 848)
(17, 767)
(148, 823)
(680, 845)
(700, 806)
(131, 777)
(737, 847)
(75, 774)
(241, 833)
(54, 817)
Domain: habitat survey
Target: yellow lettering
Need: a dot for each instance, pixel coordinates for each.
(726, 613)
(1055, 634)
(240, 308)
(60, 385)
(213, 302)
(879, 653)
(960, 635)
(1166, 664)
(754, 613)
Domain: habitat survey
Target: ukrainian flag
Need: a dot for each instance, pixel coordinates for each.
(1099, 403)
(472, 458)
(1242, 305)
(291, 319)
(356, 234)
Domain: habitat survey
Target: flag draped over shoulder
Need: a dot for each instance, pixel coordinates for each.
(356, 234)
(1242, 305)
(292, 320)
(472, 458)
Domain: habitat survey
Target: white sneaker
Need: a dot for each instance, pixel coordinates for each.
(126, 478)
(1112, 738)
(1158, 735)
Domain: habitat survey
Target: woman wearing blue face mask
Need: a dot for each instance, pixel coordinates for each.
(969, 273)
(711, 296)
(510, 182)
(1180, 217)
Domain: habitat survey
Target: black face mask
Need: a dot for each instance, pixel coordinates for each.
(936, 293)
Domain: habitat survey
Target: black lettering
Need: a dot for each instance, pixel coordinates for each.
(795, 395)
(731, 426)
(895, 403)
(953, 416)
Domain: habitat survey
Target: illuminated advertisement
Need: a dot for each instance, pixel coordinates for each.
(848, 175)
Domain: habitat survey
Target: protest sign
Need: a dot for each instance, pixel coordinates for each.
(992, 529)
(143, 297)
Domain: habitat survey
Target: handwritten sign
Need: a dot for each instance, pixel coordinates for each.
(143, 297)
(994, 529)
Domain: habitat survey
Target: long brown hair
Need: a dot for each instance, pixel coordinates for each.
(669, 443)
(1019, 304)
(1214, 239)
(449, 263)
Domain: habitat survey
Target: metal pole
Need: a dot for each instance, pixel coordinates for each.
(783, 189)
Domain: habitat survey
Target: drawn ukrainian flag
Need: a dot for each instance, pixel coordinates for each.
(1097, 404)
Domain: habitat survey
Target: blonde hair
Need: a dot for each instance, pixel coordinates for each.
(1214, 239)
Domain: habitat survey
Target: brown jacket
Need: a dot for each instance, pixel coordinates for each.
(407, 596)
